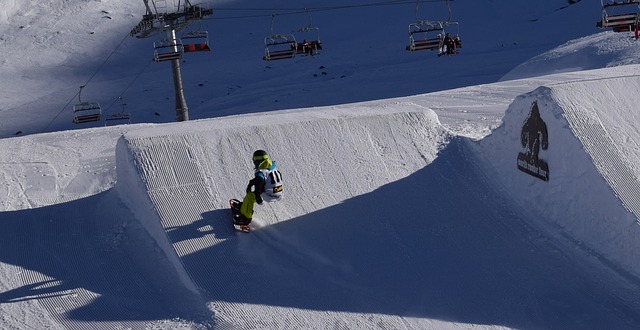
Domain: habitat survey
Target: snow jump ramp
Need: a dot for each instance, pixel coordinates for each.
(584, 178)
(438, 233)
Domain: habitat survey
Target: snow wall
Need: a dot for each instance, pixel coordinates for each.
(592, 192)
(172, 176)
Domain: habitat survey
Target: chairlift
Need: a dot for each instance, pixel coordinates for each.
(620, 16)
(279, 46)
(310, 36)
(167, 50)
(451, 40)
(454, 36)
(196, 41)
(118, 117)
(425, 35)
(85, 112)
(431, 35)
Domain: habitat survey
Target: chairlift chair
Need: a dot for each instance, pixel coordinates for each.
(85, 112)
(620, 16)
(455, 37)
(196, 41)
(425, 35)
(279, 46)
(167, 50)
(309, 46)
(118, 117)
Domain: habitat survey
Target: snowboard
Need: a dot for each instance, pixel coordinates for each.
(235, 216)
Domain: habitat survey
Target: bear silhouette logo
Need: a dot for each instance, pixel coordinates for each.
(533, 137)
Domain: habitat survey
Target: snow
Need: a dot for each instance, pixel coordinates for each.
(403, 209)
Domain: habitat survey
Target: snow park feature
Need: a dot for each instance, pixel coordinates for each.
(493, 189)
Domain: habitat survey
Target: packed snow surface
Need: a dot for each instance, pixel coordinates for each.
(406, 204)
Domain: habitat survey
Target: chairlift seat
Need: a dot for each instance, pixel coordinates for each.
(425, 35)
(196, 41)
(279, 55)
(86, 112)
(618, 21)
(86, 118)
(167, 56)
(118, 117)
(201, 47)
(278, 47)
(311, 48)
(165, 50)
(424, 44)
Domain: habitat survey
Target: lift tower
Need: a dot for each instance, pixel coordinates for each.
(159, 19)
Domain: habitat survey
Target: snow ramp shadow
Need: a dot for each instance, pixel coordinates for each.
(569, 154)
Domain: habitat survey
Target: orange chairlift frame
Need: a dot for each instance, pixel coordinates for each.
(196, 41)
(85, 112)
(279, 46)
(620, 16)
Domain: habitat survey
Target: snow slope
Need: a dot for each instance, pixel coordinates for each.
(405, 211)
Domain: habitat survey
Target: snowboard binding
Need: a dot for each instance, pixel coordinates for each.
(240, 222)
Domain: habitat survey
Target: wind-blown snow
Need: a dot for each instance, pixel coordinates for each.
(403, 207)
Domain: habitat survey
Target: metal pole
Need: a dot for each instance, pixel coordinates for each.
(182, 112)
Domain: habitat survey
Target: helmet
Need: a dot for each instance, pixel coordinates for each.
(259, 156)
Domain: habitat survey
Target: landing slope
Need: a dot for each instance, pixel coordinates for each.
(387, 220)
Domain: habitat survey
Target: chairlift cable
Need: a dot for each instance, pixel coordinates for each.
(129, 85)
(297, 11)
(87, 82)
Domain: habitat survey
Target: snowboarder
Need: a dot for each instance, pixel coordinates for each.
(266, 185)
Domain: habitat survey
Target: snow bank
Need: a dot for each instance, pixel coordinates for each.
(592, 194)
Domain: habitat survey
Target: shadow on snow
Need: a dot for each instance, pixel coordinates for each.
(92, 244)
(437, 244)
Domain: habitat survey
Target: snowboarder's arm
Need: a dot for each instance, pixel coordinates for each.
(257, 183)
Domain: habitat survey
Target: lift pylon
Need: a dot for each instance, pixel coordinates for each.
(159, 18)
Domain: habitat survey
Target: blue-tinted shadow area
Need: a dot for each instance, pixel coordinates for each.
(90, 260)
(440, 243)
